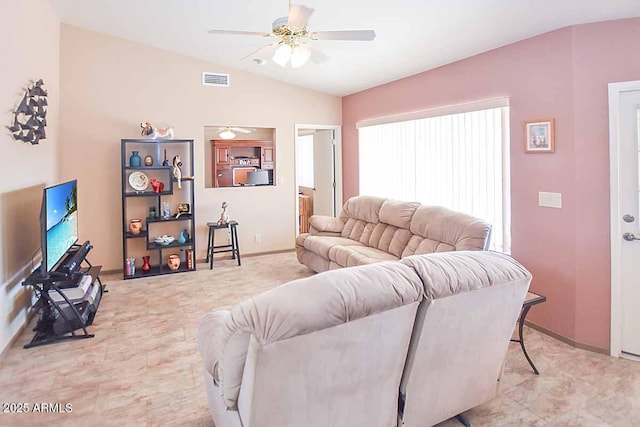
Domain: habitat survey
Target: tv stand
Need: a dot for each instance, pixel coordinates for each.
(68, 298)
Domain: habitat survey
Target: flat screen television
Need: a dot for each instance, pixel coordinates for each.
(58, 223)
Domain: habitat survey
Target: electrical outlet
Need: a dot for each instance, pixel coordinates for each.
(258, 238)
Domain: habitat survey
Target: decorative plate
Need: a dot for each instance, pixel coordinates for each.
(138, 181)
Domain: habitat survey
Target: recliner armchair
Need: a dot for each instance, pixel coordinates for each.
(461, 334)
(326, 350)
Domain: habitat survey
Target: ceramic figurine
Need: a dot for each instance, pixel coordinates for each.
(224, 216)
(183, 209)
(154, 133)
(177, 172)
(158, 186)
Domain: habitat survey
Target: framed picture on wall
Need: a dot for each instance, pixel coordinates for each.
(538, 136)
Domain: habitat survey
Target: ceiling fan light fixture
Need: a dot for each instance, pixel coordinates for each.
(227, 134)
(299, 55)
(282, 55)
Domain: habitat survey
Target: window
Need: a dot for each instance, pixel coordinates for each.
(304, 160)
(457, 160)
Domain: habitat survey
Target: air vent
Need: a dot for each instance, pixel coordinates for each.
(215, 79)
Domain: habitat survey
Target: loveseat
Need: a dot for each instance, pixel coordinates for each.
(411, 342)
(372, 229)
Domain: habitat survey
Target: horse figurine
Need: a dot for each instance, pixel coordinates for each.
(224, 216)
(154, 133)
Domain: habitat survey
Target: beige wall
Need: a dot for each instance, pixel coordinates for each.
(30, 34)
(109, 85)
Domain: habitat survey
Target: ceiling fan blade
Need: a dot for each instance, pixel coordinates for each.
(317, 56)
(241, 130)
(298, 16)
(357, 35)
(265, 52)
(239, 33)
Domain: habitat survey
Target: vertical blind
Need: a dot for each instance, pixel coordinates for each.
(304, 161)
(459, 161)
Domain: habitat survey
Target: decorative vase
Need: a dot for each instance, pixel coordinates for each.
(135, 161)
(173, 262)
(146, 266)
(135, 226)
(148, 161)
(184, 237)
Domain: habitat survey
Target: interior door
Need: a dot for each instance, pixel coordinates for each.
(324, 173)
(628, 221)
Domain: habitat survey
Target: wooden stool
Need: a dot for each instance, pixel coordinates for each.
(213, 249)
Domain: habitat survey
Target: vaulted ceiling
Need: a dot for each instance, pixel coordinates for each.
(412, 35)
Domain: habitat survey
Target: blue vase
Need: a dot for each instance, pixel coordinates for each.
(184, 237)
(135, 160)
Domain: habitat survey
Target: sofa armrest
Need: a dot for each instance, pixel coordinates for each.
(325, 225)
(223, 351)
(211, 340)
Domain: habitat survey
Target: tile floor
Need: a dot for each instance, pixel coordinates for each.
(143, 367)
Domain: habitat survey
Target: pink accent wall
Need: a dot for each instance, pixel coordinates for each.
(561, 75)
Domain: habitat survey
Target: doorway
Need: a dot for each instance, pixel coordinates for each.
(318, 152)
(624, 150)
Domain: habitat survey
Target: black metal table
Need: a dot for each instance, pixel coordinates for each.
(233, 247)
(530, 300)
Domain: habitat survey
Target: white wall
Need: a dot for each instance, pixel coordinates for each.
(30, 34)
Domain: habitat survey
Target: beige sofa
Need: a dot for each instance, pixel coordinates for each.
(372, 229)
(340, 348)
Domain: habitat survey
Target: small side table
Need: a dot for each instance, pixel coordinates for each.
(529, 301)
(233, 247)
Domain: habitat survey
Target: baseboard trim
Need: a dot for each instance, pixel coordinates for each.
(224, 257)
(251, 255)
(567, 340)
(19, 332)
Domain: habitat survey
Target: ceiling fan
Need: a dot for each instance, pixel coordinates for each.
(226, 132)
(295, 36)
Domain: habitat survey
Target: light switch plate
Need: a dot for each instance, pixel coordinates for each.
(550, 200)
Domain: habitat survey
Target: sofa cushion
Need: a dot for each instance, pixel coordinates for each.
(351, 256)
(365, 208)
(301, 307)
(324, 223)
(419, 245)
(321, 244)
(456, 229)
(398, 213)
(389, 238)
(446, 274)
